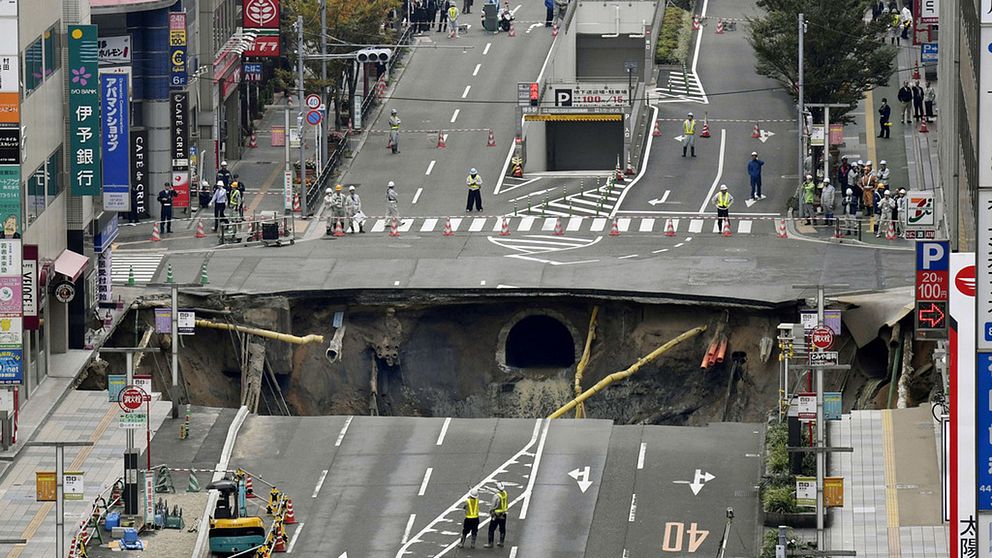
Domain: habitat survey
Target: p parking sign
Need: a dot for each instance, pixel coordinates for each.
(932, 283)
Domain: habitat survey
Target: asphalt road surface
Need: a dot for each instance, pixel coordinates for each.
(393, 487)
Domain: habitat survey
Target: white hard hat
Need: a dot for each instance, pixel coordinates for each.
(860, 162)
(886, 193)
(327, 190)
(809, 177)
(868, 162)
(473, 171)
(474, 493)
(351, 188)
(754, 153)
(723, 187)
(223, 163)
(203, 183)
(882, 162)
(391, 184)
(393, 111)
(849, 192)
(499, 485)
(826, 181)
(690, 114)
(220, 183)
(902, 190)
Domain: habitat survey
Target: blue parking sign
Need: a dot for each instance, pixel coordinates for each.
(928, 53)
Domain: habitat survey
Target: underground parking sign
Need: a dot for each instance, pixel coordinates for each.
(932, 288)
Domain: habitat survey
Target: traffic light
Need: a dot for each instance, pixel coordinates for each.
(535, 94)
(379, 55)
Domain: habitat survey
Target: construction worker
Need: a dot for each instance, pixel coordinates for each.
(497, 515)
(223, 174)
(392, 201)
(883, 173)
(723, 200)
(471, 523)
(754, 172)
(474, 183)
(328, 202)
(234, 198)
(219, 201)
(902, 211)
(453, 20)
(337, 207)
(689, 134)
(808, 196)
(868, 183)
(828, 200)
(394, 131)
(887, 209)
(239, 184)
(355, 214)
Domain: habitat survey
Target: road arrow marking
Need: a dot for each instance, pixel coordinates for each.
(679, 138)
(532, 26)
(750, 201)
(698, 480)
(581, 477)
(664, 197)
(765, 134)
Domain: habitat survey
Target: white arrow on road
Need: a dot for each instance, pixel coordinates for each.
(581, 476)
(343, 555)
(698, 480)
(765, 134)
(532, 26)
(664, 197)
(679, 138)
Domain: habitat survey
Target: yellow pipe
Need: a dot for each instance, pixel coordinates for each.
(296, 340)
(580, 410)
(626, 373)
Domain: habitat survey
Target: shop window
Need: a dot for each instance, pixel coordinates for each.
(44, 184)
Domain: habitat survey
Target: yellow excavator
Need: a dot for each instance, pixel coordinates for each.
(230, 534)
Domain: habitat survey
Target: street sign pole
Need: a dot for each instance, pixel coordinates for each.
(303, 148)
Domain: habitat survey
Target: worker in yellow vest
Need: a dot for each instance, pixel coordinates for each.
(471, 524)
(453, 20)
(497, 515)
(689, 134)
(473, 182)
(723, 200)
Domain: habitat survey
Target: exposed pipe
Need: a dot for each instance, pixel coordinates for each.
(268, 334)
(896, 361)
(580, 410)
(617, 20)
(333, 352)
(626, 373)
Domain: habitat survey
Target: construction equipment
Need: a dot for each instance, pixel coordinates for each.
(230, 534)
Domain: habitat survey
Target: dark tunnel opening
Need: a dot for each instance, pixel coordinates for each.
(539, 342)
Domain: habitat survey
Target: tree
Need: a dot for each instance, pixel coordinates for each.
(843, 55)
(350, 23)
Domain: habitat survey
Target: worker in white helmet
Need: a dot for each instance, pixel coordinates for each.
(474, 184)
(392, 201)
(689, 134)
(498, 508)
(471, 523)
(723, 200)
(353, 208)
(223, 174)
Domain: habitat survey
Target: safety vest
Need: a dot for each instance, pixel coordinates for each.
(689, 127)
(234, 198)
(472, 509)
(394, 123)
(452, 13)
(723, 200)
(503, 503)
(473, 183)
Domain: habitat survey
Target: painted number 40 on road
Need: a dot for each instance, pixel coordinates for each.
(677, 537)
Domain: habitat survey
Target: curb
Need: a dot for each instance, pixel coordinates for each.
(202, 549)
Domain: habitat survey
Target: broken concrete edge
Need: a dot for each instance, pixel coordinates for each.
(202, 548)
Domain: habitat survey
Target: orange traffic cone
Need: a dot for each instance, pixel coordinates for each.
(513, 31)
(706, 129)
(756, 133)
(629, 169)
(339, 229)
(615, 229)
(657, 129)
(394, 227)
(199, 229)
(447, 227)
(554, 30)
(280, 545)
(290, 517)
(916, 70)
(719, 26)
(669, 227)
(252, 141)
(491, 142)
(505, 230)
(249, 491)
(726, 227)
(559, 231)
(780, 230)
(923, 126)
(440, 139)
(618, 172)
(296, 203)
(155, 236)
(890, 232)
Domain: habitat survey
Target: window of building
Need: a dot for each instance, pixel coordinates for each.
(52, 45)
(43, 185)
(33, 67)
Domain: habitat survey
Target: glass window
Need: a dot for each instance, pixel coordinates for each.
(33, 75)
(53, 54)
(47, 177)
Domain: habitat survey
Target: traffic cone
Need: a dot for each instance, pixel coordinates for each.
(440, 139)
(130, 276)
(518, 167)
(719, 26)
(890, 232)
(491, 142)
(554, 30)
(296, 203)
(505, 230)
(249, 490)
(155, 236)
(290, 517)
(280, 545)
(559, 231)
(695, 23)
(199, 229)
(756, 133)
(203, 274)
(447, 227)
(115, 494)
(389, 143)
(780, 230)
(394, 227)
(657, 129)
(339, 229)
(618, 172)
(513, 31)
(916, 70)
(726, 227)
(706, 129)
(629, 169)
(669, 227)
(923, 126)
(615, 229)
(252, 141)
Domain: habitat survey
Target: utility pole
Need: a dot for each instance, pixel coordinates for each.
(826, 131)
(287, 203)
(300, 96)
(175, 354)
(323, 78)
(802, 105)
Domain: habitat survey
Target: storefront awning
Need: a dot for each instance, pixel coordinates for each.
(71, 264)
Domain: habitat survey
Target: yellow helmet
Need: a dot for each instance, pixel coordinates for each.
(338, 188)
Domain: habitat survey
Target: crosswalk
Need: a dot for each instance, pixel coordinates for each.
(144, 264)
(679, 87)
(592, 202)
(573, 224)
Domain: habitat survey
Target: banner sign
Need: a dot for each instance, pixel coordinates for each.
(962, 403)
(806, 491)
(139, 176)
(84, 106)
(116, 194)
(929, 11)
(72, 485)
(984, 424)
(114, 50)
(262, 17)
(177, 49)
(29, 287)
(180, 183)
(10, 72)
(11, 367)
(179, 124)
(104, 278)
(115, 384)
(163, 320)
(584, 96)
(10, 146)
(10, 201)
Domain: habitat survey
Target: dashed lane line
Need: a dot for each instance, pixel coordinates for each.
(454, 115)
(640, 455)
(344, 430)
(409, 526)
(423, 484)
(430, 167)
(475, 72)
(485, 51)
(320, 483)
(444, 431)
(296, 535)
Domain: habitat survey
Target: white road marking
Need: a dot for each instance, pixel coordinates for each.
(744, 226)
(379, 226)
(475, 72)
(716, 227)
(574, 224)
(719, 171)
(700, 213)
(646, 225)
(533, 470)
(455, 221)
(423, 485)
(513, 549)
(320, 483)
(482, 283)
(344, 430)
(623, 224)
(430, 167)
(292, 540)
(514, 12)
(444, 430)
(428, 225)
(627, 257)
(396, 283)
(679, 245)
(405, 225)
(477, 224)
(467, 89)
(659, 251)
(532, 27)
(454, 117)
(626, 554)
(409, 525)
(416, 196)
(633, 508)
(598, 224)
(526, 223)
(696, 226)
(549, 223)
(640, 456)
(485, 51)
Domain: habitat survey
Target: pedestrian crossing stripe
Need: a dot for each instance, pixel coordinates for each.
(144, 264)
(546, 224)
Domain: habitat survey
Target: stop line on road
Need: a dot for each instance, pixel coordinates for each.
(692, 224)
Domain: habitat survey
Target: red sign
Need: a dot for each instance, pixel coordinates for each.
(264, 45)
(965, 280)
(821, 337)
(180, 183)
(131, 399)
(931, 285)
(261, 14)
(931, 314)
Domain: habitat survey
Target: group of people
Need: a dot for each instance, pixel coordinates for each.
(346, 209)
(866, 193)
(498, 508)
(424, 13)
(920, 99)
(228, 194)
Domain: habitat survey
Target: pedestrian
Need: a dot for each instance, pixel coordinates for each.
(561, 6)
(354, 210)
(853, 175)
(878, 9)
(328, 201)
(497, 515)
(906, 20)
(808, 197)
(754, 173)
(828, 200)
(223, 174)
(895, 26)
(165, 198)
(474, 184)
(394, 131)
(431, 14)
(929, 98)
(392, 201)
(883, 174)
(442, 16)
(244, 198)
(917, 101)
(453, 20)
(902, 212)
(234, 199)
(884, 112)
(466, 6)
(219, 201)
(471, 523)
(689, 134)
(549, 5)
(886, 212)
(842, 170)
(723, 200)
(338, 207)
(905, 96)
